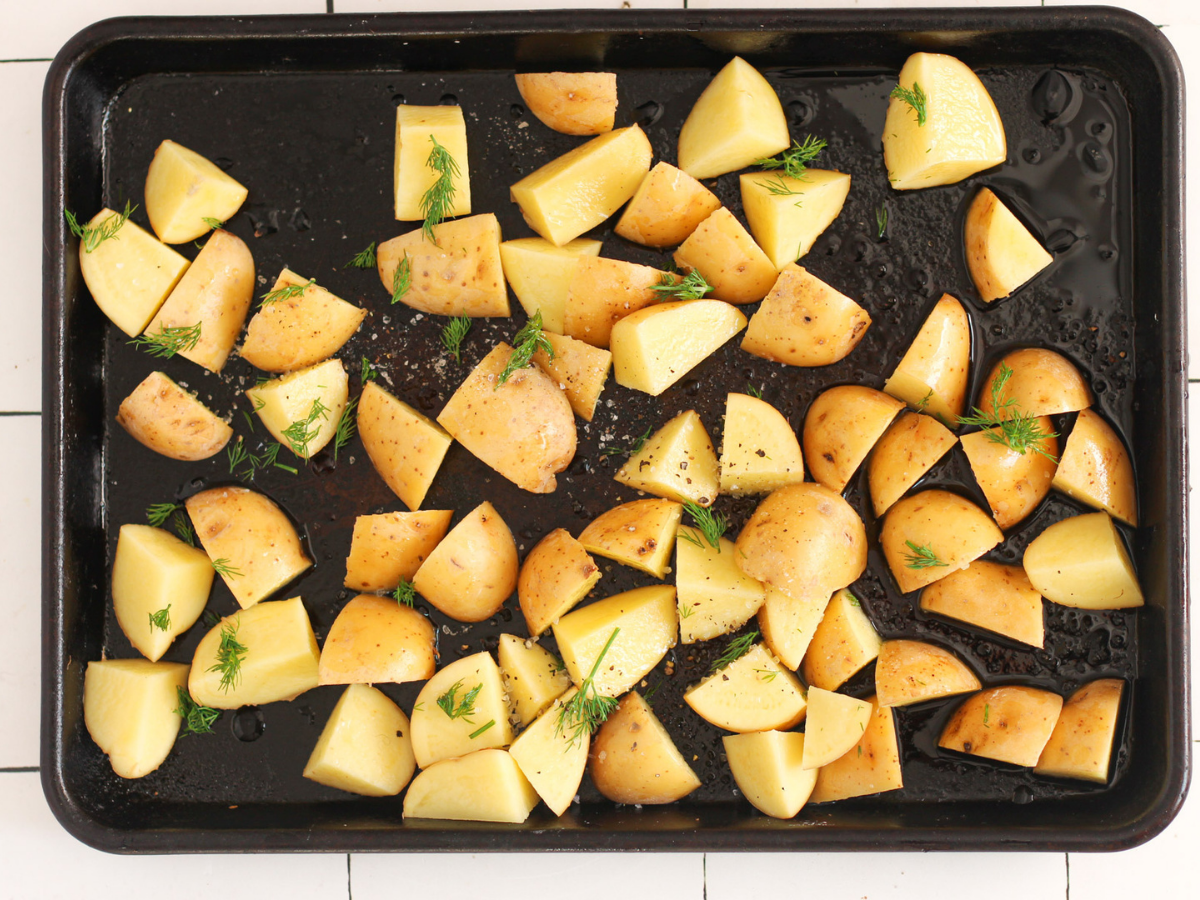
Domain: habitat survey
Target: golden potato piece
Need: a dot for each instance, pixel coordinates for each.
(638, 534)
(788, 624)
(932, 376)
(364, 748)
(556, 575)
(484, 786)
(539, 273)
(931, 534)
(451, 715)
(390, 547)
(1040, 383)
(722, 250)
(470, 574)
(787, 215)
(713, 595)
(666, 209)
(752, 693)
(832, 727)
(553, 757)
(909, 672)
(417, 127)
(843, 643)
(872, 766)
(989, 595)
(533, 677)
(908, 449)
(1095, 469)
(759, 450)
(1082, 741)
(579, 369)
(1082, 562)
(634, 760)
(129, 711)
(303, 409)
(571, 102)
(1011, 724)
(375, 640)
(603, 291)
(406, 447)
(766, 767)
(841, 427)
(1001, 253)
(1013, 483)
(161, 415)
(183, 189)
(677, 462)
(294, 332)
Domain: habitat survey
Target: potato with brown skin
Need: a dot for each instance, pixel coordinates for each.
(294, 332)
(844, 642)
(667, 208)
(722, 250)
(470, 574)
(571, 102)
(931, 534)
(841, 427)
(1095, 468)
(375, 640)
(390, 547)
(1082, 741)
(639, 534)
(1002, 255)
(932, 375)
(1013, 483)
(523, 428)
(578, 368)
(1011, 724)
(870, 767)
(634, 760)
(908, 449)
(1040, 383)
(161, 415)
(406, 447)
(908, 672)
(556, 575)
(992, 596)
(602, 292)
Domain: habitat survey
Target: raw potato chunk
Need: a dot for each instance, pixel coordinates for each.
(1041, 383)
(1010, 724)
(833, 725)
(130, 275)
(841, 427)
(638, 534)
(214, 293)
(578, 368)
(129, 710)
(484, 786)
(723, 252)
(390, 547)
(161, 415)
(533, 677)
(805, 322)
(872, 766)
(1001, 253)
(844, 642)
(634, 760)
(1082, 562)
(1081, 744)
(787, 224)
(753, 693)
(296, 332)
(603, 291)
(788, 624)
(571, 102)
(539, 273)
(524, 428)
(556, 575)
(759, 450)
(989, 595)
(279, 662)
(805, 540)
(932, 376)
(470, 574)
(375, 640)
(677, 462)
(580, 189)
(553, 758)
(907, 450)
(737, 120)
(962, 133)
(254, 537)
(666, 209)
(714, 597)
(364, 748)
(460, 274)
(183, 189)
(1013, 483)
(644, 620)
(909, 672)
(436, 735)
(153, 570)
(406, 447)
(931, 534)
(281, 403)
(767, 768)
(1095, 469)
(655, 347)
(417, 127)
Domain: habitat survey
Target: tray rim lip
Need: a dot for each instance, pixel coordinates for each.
(470, 836)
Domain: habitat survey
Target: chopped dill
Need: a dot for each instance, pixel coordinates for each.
(737, 648)
(452, 336)
(230, 654)
(587, 710)
(528, 341)
(95, 235)
(169, 340)
(914, 97)
(364, 259)
(161, 619)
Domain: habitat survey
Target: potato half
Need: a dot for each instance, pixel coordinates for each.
(390, 547)
(759, 450)
(1040, 383)
(767, 768)
(655, 347)
(908, 449)
(932, 375)
(787, 215)
(841, 427)
(553, 757)
(484, 786)
(556, 575)
(666, 209)
(129, 709)
(299, 330)
(1013, 483)
(183, 189)
(931, 534)
(406, 447)
(844, 642)
(872, 766)
(417, 127)
(452, 710)
(677, 462)
(539, 273)
(1082, 741)
(1095, 468)
(1011, 724)
(571, 102)
(713, 595)
(992, 596)
(377, 640)
(640, 534)
(752, 693)
(789, 623)
(365, 747)
(834, 724)
(634, 760)
(722, 250)
(473, 570)
(909, 672)
(161, 415)
(579, 369)
(603, 291)
(1001, 253)
(1082, 561)
(533, 676)
(303, 409)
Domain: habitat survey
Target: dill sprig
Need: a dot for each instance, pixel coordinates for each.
(691, 287)
(270, 458)
(737, 648)
(230, 654)
(287, 292)
(481, 729)
(794, 162)
(921, 557)
(437, 201)
(303, 431)
(95, 235)
(401, 279)
(914, 97)
(405, 593)
(369, 372)
(881, 219)
(364, 259)
(456, 708)
(240, 458)
(628, 451)
(755, 392)
(1006, 424)
(711, 525)
(346, 427)
(225, 568)
(161, 619)
(197, 719)
(528, 341)
(580, 716)
(169, 340)
(767, 675)
(923, 403)
(452, 336)
(213, 224)
(158, 513)
(686, 612)
(183, 527)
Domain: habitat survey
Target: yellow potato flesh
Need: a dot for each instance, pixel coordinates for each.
(1041, 383)
(990, 595)
(789, 623)
(713, 595)
(1010, 724)
(908, 449)
(533, 677)
(929, 535)
(470, 574)
(556, 575)
(283, 402)
(1013, 483)
(677, 462)
(553, 758)
(539, 273)
(183, 189)
(634, 760)
(932, 375)
(438, 735)
(417, 127)
(390, 547)
(962, 133)
(161, 415)
(753, 693)
(722, 250)
(655, 347)
(1001, 253)
(571, 102)
(484, 786)
(299, 331)
(377, 640)
(1082, 741)
(580, 370)
(908, 672)
(737, 120)
(129, 710)
(364, 748)
(583, 187)
(870, 767)
(406, 447)
(841, 427)
(833, 725)
(1082, 562)
(843, 643)
(638, 534)
(759, 450)
(603, 291)
(787, 224)
(1095, 468)
(153, 570)
(767, 768)
(280, 661)
(667, 208)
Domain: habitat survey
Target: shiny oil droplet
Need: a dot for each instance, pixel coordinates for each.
(248, 724)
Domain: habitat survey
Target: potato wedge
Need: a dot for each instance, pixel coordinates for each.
(375, 640)
(908, 449)
(640, 534)
(161, 415)
(583, 187)
(523, 428)
(533, 677)
(723, 251)
(909, 672)
(539, 273)
(634, 760)
(579, 369)
(872, 766)
(759, 450)
(389, 548)
(1001, 253)
(844, 642)
(1095, 469)
(484, 786)
(255, 538)
(1082, 562)
(454, 705)
(1039, 383)
(364, 748)
(406, 447)
(677, 462)
(752, 693)
(1082, 741)
(603, 291)
(788, 624)
(417, 130)
(301, 330)
(303, 408)
(473, 570)
(766, 767)
(1013, 483)
(1011, 724)
(833, 725)
(713, 595)
(556, 575)
(992, 596)
(931, 534)
(787, 215)
(571, 102)
(129, 711)
(932, 375)
(553, 758)
(666, 209)
(841, 427)
(183, 189)
(805, 322)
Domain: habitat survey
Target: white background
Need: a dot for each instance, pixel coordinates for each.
(38, 859)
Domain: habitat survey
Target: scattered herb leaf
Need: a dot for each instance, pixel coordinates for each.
(587, 710)
(481, 729)
(881, 219)
(737, 648)
(711, 524)
(401, 279)
(346, 427)
(95, 235)
(197, 719)
(213, 224)
(628, 451)
(405, 593)
(921, 557)
(914, 97)
(437, 201)
(691, 287)
(225, 569)
(452, 336)
(528, 341)
(169, 340)
(287, 292)
(303, 431)
(455, 708)
(364, 259)
(161, 619)
(755, 392)
(795, 161)
(1006, 424)
(230, 655)
(369, 372)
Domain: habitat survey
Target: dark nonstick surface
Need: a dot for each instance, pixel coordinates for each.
(312, 138)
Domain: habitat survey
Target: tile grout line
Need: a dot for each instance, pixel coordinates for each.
(349, 880)
(19, 770)
(15, 414)
(1067, 857)
(29, 60)
(704, 856)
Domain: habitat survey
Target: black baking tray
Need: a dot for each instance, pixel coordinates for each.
(301, 110)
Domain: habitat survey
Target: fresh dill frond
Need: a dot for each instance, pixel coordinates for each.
(346, 427)
(169, 340)
(737, 648)
(755, 392)
(452, 336)
(230, 654)
(881, 219)
(249, 420)
(528, 341)
(161, 619)
(270, 458)
(225, 568)
(481, 729)
(987, 711)
(95, 235)
(923, 403)
(437, 201)
(287, 292)
(691, 287)
(401, 279)
(794, 162)
(777, 187)
(158, 513)
(921, 557)
(767, 675)
(685, 611)
(213, 224)
(364, 259)
(369, 372)
(712, 525)
(183, 527)
(914, 97)
(303, 431)
(197, 719)
(631, 450)
(580, 716)
(405, 593)
(456, 708)
(1006, 424)
(649, 695)
(240, 458)
(210, 619)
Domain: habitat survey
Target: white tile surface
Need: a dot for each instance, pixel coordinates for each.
(383, 6)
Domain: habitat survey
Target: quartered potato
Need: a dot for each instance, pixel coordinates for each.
(539, 273)
(1014, 483)
(723, 251)
(634, 760)
(655, 347)
(666, 209)
(406, 447)
(390, 547)
(376, 640)
(1040, 383)
(931, 534)
(473, 570)
(571, 102)
(301, 329)
(1082, 561)
(303, 409)
(533, 676)
(787, 215)
(1001, 253)
(553, 758)
(844, 642)
(483, 786)
(908, 449)
(603, 291)
(759, 450)
(579, 369)
(1095, 468)
(638, 534)
(767, 768)
(161, 415)
(788, 624)
(129, 709)
(457, 703)
(841, 427)
(714, 597)
(752, 693)
(872, 766)
(183, 189)
(1082, 741)
(556, 575)
(908, 672)
(992, 596)
(833, 725)
(365, 747)
(417, 127)
(932, 375)
(677, 462)
(1011, 724)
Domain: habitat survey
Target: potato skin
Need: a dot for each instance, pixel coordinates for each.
(990, 595)
(164, 417)
(391, 546)
(470, 574)
(297, 332)
(952, 528)
(841, 427)
(406, 447)
(1010, 724)
(666, 209)
(908, 672)
(908, 449)
(874, 768)
(571, 102)
(634, 760)
(603, 291)
(1001, 253)
(1095, 468)
(722, 250)
(375, 639)
(1082, 741)
(1013, 483)
(1043, 383)
(556, 575)
(640, 534)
